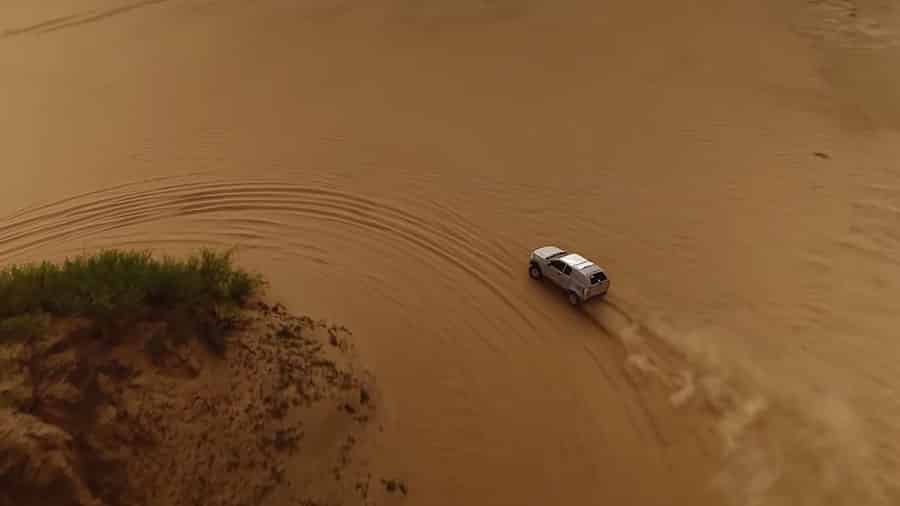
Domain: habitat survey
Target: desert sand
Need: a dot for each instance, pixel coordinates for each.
(389, 165)
(281, 415)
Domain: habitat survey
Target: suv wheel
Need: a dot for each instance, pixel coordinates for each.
(535, 272)
(574, 299)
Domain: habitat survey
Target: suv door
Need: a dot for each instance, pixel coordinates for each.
(566, 280)
(557, 272)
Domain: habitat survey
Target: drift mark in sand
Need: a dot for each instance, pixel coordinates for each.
(255, 213)
(783, 442)
(73, 20)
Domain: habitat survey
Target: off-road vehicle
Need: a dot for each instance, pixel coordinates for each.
(580, 278)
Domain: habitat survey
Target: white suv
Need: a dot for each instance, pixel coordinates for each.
(578, 276)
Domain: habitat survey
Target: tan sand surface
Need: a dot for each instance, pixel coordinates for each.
(390, 164)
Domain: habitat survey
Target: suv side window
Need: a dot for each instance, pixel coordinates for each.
(567, 270)
(558, 265)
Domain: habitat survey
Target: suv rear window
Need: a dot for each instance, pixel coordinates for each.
(597, 277)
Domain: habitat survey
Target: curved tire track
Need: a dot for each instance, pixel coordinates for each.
(129, 205)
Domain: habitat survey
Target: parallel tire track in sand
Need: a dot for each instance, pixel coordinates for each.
(82, 216)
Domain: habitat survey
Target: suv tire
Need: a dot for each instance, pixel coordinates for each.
(535, 272)
(574, 299)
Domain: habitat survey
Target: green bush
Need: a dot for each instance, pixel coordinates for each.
(116, 287)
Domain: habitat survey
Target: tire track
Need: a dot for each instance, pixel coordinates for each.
(167, 199)
(38, 26)
(176, 196)
(145, 202)
(648, 355)
(73, 20)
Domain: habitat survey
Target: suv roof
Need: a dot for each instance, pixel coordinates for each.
(576, 261)
(549, 252)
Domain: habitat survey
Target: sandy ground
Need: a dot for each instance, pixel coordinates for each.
(390, 164)
(284, 416)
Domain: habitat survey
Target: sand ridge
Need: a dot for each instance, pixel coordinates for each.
(285, 417)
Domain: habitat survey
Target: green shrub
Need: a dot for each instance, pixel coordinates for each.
(116, 287)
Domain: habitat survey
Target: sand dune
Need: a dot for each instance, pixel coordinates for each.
(391, 164)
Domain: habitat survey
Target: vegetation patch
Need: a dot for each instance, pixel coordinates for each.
(202, 295)
(107, 398)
